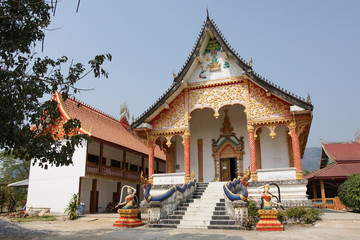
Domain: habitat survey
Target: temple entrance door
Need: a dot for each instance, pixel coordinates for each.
(228, 169)
(225, 169)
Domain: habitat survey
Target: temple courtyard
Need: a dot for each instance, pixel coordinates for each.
(335, 225)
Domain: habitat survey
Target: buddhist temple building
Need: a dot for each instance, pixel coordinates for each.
(219, 117)
(113, 157)
(338, 162)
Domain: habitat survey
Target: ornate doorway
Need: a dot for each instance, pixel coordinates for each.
(228, 153)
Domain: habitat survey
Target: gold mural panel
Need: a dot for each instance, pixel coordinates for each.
(263, 106)
(174, 117)
(217, 96)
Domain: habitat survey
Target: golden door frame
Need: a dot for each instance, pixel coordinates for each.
(227, 150)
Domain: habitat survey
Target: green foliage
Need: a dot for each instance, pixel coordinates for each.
(253, 215)
(349, 192)
(12, 170)
(308, 215)
(295, 212)
(10, 198)
(281, 216)
(306, 172)
(253, 209)
(27, 79)
(72, 209)
(312, 215)
(35, 219)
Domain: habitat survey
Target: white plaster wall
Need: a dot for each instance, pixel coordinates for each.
(86, 186)
(274, 152)
(106, 189)
(204, 125)
(53, 188)
(233, 70)
(179, 153)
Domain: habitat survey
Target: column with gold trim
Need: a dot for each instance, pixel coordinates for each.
(151, 159)
(296, 151)
(252, 149)
(187, 155)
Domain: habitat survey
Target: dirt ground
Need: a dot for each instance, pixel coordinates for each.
(335, 225)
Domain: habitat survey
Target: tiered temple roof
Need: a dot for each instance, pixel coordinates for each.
(209, 28)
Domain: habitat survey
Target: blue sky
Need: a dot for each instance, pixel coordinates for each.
(303, 46)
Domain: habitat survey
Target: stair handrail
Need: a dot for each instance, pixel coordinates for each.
(243, 184)
(169, 193)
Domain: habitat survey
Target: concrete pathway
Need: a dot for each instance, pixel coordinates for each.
(335, 225)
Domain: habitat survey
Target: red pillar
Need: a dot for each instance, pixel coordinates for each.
(151, 159)
(187, 155)
(252, 150)
(296, 151)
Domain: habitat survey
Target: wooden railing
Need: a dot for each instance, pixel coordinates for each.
(111, 172)
(333, 203)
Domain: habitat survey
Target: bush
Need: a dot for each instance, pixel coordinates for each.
(281, 216)
(72, 209)
(253, 216)
(349, 192)
(308, 215)
(295, 212)
(253, 209)
(312, 215)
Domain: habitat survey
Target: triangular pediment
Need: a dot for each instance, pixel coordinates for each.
(213, 59)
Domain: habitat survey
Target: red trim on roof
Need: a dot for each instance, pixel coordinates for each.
(343, 151)
(103, 126)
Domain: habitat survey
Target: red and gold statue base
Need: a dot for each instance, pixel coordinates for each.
(128, 218)
(268, 221)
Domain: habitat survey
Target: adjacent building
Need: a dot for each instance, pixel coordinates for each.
(113, 158)
(338, 161)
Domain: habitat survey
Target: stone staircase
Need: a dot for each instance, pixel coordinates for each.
(206, 209)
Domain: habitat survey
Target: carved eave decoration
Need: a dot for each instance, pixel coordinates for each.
(209, 31)
(227, 141)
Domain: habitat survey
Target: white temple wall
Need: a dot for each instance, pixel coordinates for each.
(179, 154)
(274, 151)
(204, 125)
(54, 187)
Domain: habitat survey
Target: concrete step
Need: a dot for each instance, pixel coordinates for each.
(199, 218)
(225, 227)
(170, 221)
(195, 222)
(188, 226)
(220, 217)
(163, 225)
(222, 222)
(176, 217)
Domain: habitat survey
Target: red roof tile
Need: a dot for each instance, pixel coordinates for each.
(335, 170)
(103, 126)
(343, 151)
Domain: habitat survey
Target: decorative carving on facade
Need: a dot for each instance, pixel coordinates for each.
(227, 146)
(217, 97)
(263, 106)
(174, 117)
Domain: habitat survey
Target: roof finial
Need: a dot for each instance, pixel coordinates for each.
(308, 99)
(207, 12)
(251, 63)
(174, 75)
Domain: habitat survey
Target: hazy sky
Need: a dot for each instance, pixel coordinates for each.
(303, 46)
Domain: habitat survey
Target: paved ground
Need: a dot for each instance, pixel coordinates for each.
(335, 225)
